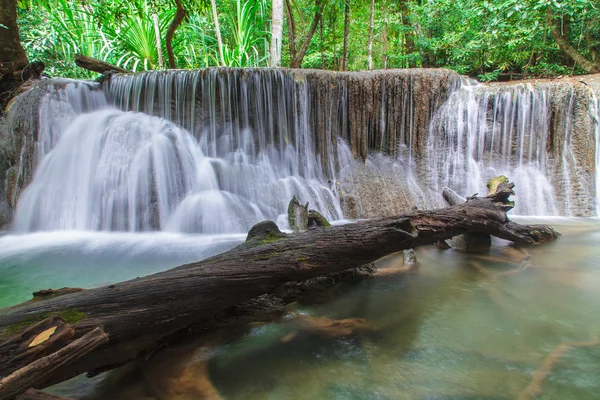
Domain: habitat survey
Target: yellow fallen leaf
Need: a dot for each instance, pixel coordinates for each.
(42, 337)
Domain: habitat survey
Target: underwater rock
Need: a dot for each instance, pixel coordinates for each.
(409, 256)
(471, 242)
(332, 328)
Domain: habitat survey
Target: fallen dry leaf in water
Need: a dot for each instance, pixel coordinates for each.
(42, 337)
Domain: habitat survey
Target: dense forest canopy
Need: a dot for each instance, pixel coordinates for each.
(487, 39)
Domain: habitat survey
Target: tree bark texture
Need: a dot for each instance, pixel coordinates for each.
(12, 55)
(370, 43)
(346, 34)
(296, 61)
(215, 14)
(177, 20)
(276, 32)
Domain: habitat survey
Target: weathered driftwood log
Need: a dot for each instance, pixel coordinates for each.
(139, 315)
(95, 65)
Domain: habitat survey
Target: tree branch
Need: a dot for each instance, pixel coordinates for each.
(567, 48)
(297, 61)
(177, 20)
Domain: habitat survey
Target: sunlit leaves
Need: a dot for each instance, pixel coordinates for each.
(123, 33)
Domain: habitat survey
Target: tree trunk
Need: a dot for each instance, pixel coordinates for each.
(321, 47)
(563, 43)
(409, 40)
(12, 55)
(291, 31)
(385, 36)
(346, 33)
(296, 62)
(177, 20)
(141, 314)
(157, 41)
(276, 32)
(213, 5)
(370, 43)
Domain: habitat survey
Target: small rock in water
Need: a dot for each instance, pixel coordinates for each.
(409, 256)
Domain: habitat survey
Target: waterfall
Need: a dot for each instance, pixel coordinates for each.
(595, 115)
(152, 162)
(64, 101)
(523, 131)
(217, 150)
(482, 132)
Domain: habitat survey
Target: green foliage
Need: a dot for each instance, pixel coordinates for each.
(482, 38)
(488, 37)
(125, 34)
(246, 37)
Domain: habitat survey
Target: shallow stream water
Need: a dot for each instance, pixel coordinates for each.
(457, 326)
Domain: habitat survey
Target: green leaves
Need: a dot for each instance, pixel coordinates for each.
(124, 33)
(247, 38)
(482, 38)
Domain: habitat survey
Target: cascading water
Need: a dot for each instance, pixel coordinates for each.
(482, 132)
(595, 115)
(217, 150)
(129, 171)
(63, 103)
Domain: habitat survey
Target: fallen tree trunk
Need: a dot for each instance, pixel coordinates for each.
(140, 315)
(95, 65)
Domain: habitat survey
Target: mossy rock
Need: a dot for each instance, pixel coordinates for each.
(493, 183)
(315, 218)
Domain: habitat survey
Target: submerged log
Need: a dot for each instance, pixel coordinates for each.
(140, 315)
(95, 65)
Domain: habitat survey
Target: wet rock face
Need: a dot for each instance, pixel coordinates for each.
(540, 133)
(375, 111)
(18, 133)
(5, 210)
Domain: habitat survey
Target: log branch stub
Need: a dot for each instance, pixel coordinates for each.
(38, 372)
(18, 350)
(45, 294)
(473, 242)
(95, 65)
